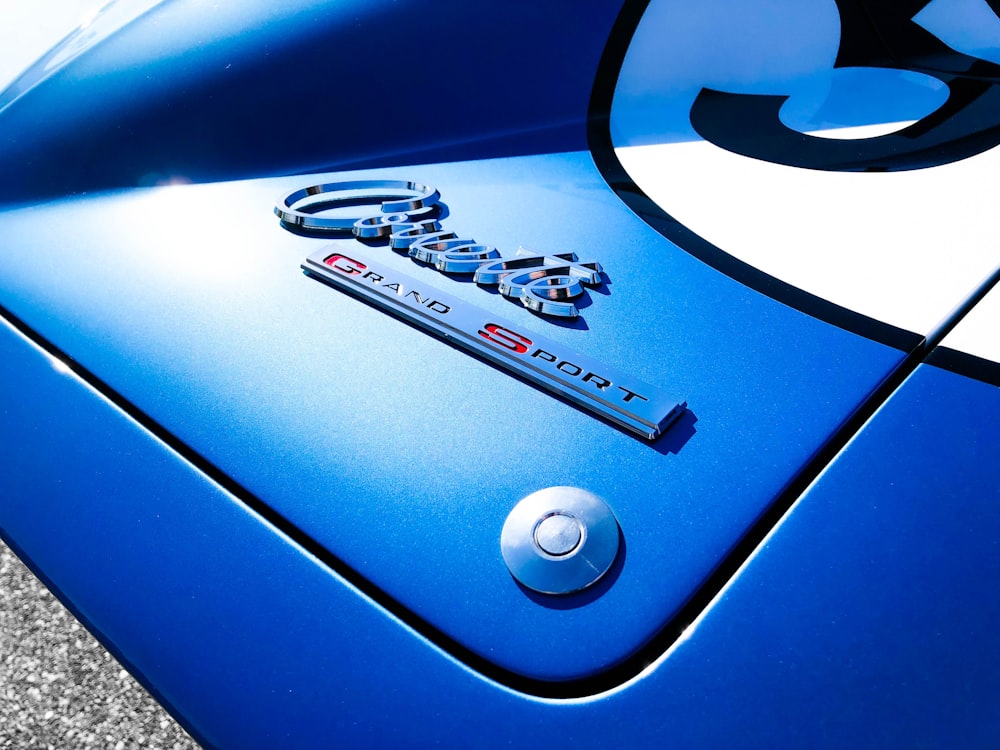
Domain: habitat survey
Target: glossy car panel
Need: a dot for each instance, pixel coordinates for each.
(282, 506)
(365, 435)
(197, 91)
(886, 634)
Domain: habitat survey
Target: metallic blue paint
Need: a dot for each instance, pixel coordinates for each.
(282, 508)
(320, 406)
(866, 619)
(212, 91)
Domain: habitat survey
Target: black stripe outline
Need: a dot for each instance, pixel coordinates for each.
(603, 151)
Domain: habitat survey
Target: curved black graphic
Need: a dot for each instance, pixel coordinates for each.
(602, 148)
(877, 34)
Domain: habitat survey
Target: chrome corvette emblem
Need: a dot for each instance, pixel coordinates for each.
(542, 283)
(408, 221)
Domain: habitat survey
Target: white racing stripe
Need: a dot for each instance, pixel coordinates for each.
(978, 333)
(901, 247)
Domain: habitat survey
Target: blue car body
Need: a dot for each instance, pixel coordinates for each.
(281, 506)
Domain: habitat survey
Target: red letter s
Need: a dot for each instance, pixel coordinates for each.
(505, 338)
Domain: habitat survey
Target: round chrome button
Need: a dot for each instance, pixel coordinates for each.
(559, 540)
(558, 533)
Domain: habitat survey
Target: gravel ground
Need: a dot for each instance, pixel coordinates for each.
(59, 688)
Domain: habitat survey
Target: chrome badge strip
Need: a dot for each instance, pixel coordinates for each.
(625, 401)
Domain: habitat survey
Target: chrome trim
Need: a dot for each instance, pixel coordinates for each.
(574, 555)
(602, 390)
(392, 195)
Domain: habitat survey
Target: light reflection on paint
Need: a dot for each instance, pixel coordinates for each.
(195, 250)
(60, 366)
(861, 131)
(967, 26)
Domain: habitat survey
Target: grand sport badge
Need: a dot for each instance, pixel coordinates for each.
(408, 220)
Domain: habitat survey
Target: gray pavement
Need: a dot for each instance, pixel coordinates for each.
(59, 688)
